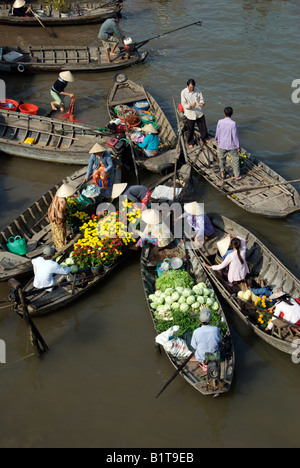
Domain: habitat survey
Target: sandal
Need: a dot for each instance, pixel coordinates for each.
(203, 366)
(239, 178)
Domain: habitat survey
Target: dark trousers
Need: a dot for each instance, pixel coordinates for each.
(201, 124)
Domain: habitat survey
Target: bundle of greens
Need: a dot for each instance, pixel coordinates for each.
(174, 279)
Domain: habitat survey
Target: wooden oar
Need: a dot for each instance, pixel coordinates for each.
(41, 23)
(179, 369)
(262, 186)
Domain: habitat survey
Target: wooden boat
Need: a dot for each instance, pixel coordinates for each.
(125, 93)
(262, 191)
(170, 189)
(263, 264)
(59, 141)
(41, 59)
(201, 381)
(43, 302)
(33, 225)
(82, 13)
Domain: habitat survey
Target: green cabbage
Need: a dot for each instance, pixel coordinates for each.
(174, 279)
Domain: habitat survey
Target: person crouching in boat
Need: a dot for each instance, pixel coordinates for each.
(134, 193)
(205, 339)
(235, 260)
(47, 272)
(151, 141)
(20, 10)
(286, 308)
(199, 222)
(156, 231)
(100, 167)
(58, 214)
(58, 90)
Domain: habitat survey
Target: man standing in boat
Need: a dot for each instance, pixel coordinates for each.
(192, 102)
(228, 142)
(110, 34)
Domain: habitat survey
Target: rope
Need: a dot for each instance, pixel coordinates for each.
(4, 307)
(19, 360)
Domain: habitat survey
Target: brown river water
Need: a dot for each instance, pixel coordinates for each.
(97, 385)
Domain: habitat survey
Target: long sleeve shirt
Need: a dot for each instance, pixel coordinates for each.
(191, 97)
(44, 270)
(237, 271)
(151, 142)
(95, 162)
(110, 28)
(227, 134)
(205, 339)
(201, 224)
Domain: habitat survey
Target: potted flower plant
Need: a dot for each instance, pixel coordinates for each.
(63, 6)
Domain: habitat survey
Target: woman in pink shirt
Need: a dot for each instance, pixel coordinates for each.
(235, 261)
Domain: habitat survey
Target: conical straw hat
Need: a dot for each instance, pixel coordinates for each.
(149, 128)
(97, 148)
(66, 76)
(66, 190)
(277, 293)
(223, 245)
(194, 208)
(19, 3)
(151, 216)
(117, 190)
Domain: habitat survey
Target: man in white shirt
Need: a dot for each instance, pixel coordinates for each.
(45, 268)
(192, 102)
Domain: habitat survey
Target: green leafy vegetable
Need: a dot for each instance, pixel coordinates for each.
(174, 279)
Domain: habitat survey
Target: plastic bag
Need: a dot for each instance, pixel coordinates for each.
(175, 346)
(17, 245)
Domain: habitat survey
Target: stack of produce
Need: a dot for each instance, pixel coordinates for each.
(178, 301)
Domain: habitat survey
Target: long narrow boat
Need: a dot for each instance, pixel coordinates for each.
(82, 13)
(41, 59)
(59, 141)
(33, 225)
(264, 264)
(262, 191)
(206, 383)
(43, 302)
(125, 93)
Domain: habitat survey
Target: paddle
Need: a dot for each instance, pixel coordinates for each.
(179, 369)
(140, 44)
(262, 186)
(41, 23)
(132, 151)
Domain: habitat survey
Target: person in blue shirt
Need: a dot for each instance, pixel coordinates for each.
(110, 34)
(205, 339)
(151, 141)
(100, 160)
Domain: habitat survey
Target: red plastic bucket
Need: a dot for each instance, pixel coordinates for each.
(28, 109)
(5, 102)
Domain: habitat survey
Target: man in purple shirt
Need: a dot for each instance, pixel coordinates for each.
(228, 142)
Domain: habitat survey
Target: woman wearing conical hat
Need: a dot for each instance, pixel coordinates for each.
(151, 141)
(156, 231)
(198, 221)
(100, 167)
(58, 213)
(58, 90)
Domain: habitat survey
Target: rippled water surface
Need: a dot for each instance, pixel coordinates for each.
(97, 386)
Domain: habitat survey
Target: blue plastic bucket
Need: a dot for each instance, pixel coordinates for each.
(141, 106)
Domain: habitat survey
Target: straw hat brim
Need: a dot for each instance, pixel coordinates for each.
(118, 189)
(223, 245)
(66, 190)
(151, 216)
(150, 128)
(194, 209)
(66, 76)
(277, 293)
(97, 148)
(19, 3)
